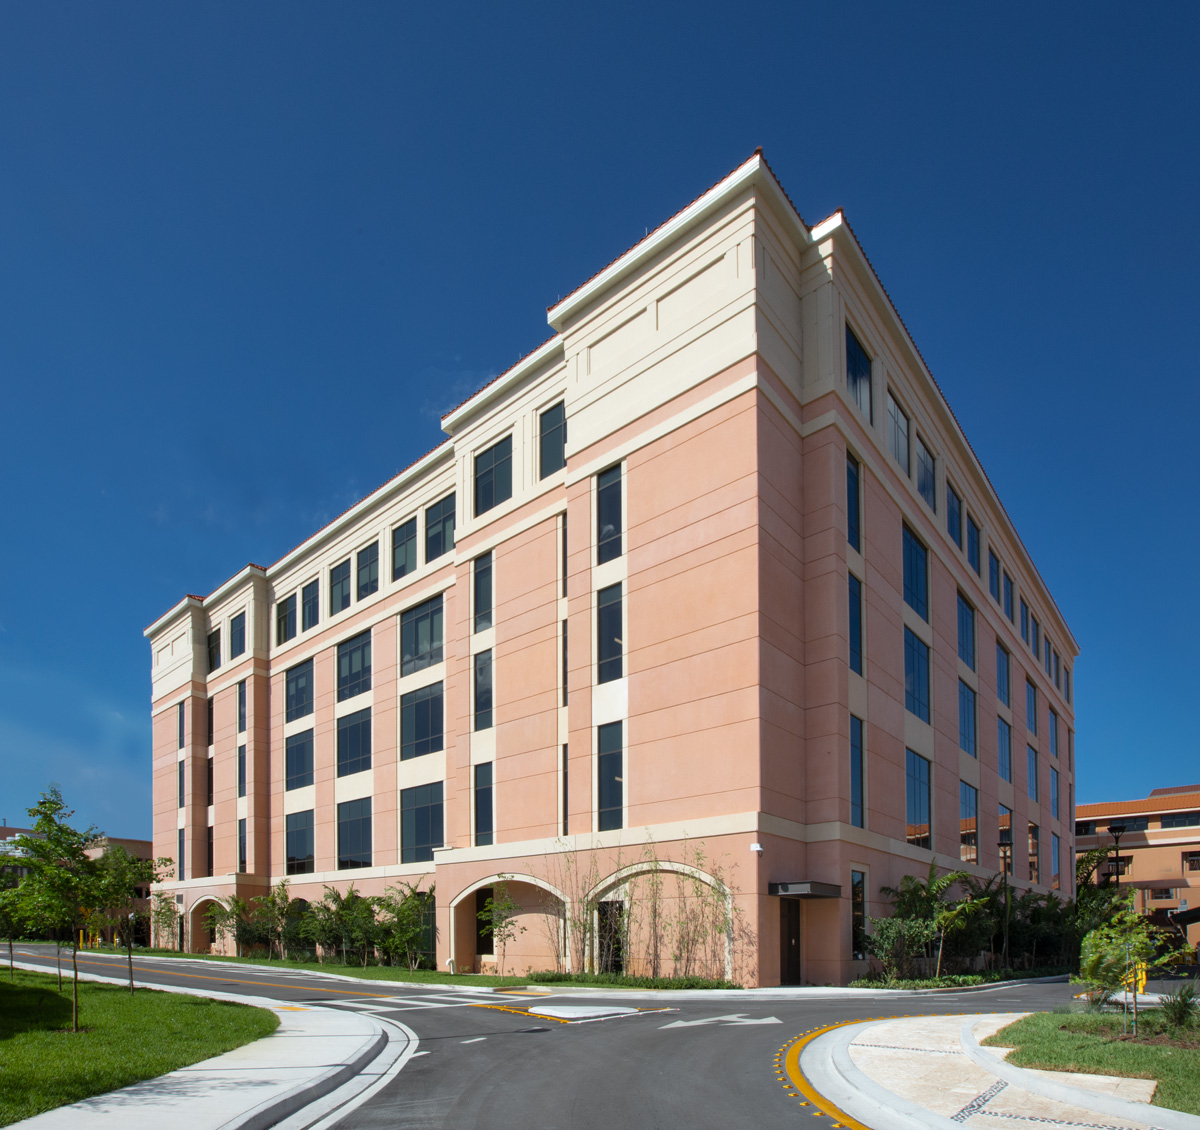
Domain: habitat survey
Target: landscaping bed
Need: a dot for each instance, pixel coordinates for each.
(1094, 1043)
(123, 1039)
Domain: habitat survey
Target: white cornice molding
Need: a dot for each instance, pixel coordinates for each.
(501, 385)
(172, 614)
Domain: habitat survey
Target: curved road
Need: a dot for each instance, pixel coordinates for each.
(708, 1062)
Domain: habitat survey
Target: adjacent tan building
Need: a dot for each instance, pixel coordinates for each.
(1156, 850)
(707, 602)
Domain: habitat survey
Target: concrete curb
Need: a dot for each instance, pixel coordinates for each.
(1111, 1105)
(120, 1105)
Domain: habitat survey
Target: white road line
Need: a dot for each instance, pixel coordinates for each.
(474, 1041)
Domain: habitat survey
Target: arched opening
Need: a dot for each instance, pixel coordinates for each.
(509, 923)
(200, 936)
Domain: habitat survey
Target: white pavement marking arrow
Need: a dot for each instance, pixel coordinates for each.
(732, 1018)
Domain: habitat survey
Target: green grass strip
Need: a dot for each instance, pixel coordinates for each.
(1092, 1043)
(123, 1039)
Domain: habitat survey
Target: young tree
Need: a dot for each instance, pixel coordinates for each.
(404, 912)
(63, 883)
(498, 920)
(271, 915)
(164, 916)
(10, 922)
(122, 878)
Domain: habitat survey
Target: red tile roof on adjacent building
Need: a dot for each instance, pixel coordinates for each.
(1150, 804)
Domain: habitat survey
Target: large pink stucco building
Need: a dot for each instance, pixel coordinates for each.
(704, 612)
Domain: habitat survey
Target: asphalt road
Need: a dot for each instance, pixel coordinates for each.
(485, 1068)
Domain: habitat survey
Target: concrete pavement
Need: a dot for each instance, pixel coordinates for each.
(928, 1072)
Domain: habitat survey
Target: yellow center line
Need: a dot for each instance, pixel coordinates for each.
(229, 980)
(520, 1012)
(804, 1087)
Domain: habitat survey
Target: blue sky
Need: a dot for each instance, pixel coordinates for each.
(250, 253)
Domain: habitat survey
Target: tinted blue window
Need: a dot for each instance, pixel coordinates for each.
(354, 666)
(354, 833)
(339, 587)
(858, 374)
(483, 804)
(299, 845)
(483, 592)
(299, 689)
(237, 635)
(918, 831)
(608, 634)
(422, 729)
(421, 636)
(1004, 745)
(856, 660)
(916, 676)
(966, 632)
(354, 743)
(973, 544)
(856, 771)
(1031, 783)
(966, 719)
(954, 515)
(439, 528)
(421, 822)
(610, 813)
(1031, 708)
(298, 760)
(404, 549)
(994, 576)
(608, 515)
(916, 575)
(368, 570)
(1008, 596)
(483, 690)
(493, 476)
(968, 823)
(852, 530)
(553, 441)
(310, 597)
(1003, 684)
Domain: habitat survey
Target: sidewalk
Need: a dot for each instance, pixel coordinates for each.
(313, 1052)
(930, 1071)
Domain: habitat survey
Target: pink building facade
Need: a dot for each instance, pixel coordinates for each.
(702, 624)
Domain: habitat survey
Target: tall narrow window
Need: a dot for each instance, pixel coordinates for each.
(1024, 620)
(1004, 826)
(422, 728)
(973, 545)
(566, 793)
(610, 774)
(966, 632)
(1031, 710)
(1003, 675)
(608, 515)
(339, 587)
(563, 554)
(1054, 792)
(241, 770)
(354, 833)
(994, 576)
(180, 784)
(858, 915)
(483, 804)
(241, 707)
(1035, 636)
(493, 476)
(237, 635)
(1008, 596)
(1031, 783)
(211, 726)
(354, 666)
(916, 575)
(210, 782)
(609, 642)
(1067, 683)
(421, 637)
(299, 845)
(856, 659)
(209, 870)
(897, 431)
(1055, 852)
(182, 870)
(552, 440)
(852, 509)
(354, 743)
(968, 823)
(214, 650)
(179, 724)
(299, 691)
(1004, 745)
(856, 771)
(564, 663)
(368, 570)
(404, 549)
(439, 528)
(1057, 672)
(242, 846)
(298, 760)
(858, 374)
(918, 830)
(966, 719)
(926, 483)
(916, 676)
(483, 592)
(1035, 870)
(1048, 664)
(1052, 733)
(421, 822)
(310, 599)
(954, 515)
(483, 690)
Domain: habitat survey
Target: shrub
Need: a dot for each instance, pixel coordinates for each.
(1181, 1007)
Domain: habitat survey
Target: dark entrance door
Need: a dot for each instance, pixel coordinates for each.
(611, 939)
(789, 941)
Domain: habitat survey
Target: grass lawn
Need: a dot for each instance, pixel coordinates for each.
(1092, 1042)
(122, 1040)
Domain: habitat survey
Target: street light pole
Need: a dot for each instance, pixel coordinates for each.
(1005, 846)
(1117, 831)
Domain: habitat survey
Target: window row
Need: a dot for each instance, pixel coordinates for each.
(1137, 823)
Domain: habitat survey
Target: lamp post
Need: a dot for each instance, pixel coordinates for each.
(1005, 846)
(1117, 831)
